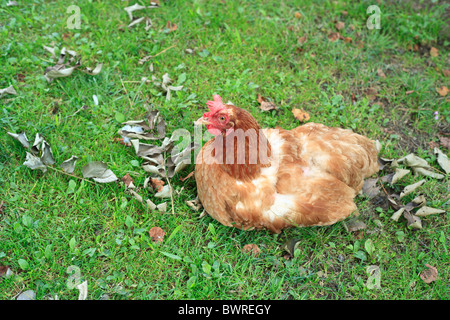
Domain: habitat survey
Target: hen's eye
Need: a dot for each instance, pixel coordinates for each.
(221, 118)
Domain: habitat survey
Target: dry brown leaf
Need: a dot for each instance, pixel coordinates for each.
(371, 93)
(340, 25)
(266, 105)
(434, 52)
(446, 72)
(157, 234)
(171, 26)
(300, 115)
(409, 91)
(301, 40)
(381, 73)
(127, 179)
(334, 36)
(430, 274)
(348, 39)
(252, 248)
(157, 184)
(443, 91)
(298, 15)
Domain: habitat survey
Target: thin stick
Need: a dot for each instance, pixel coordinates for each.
(131, 105)
(68, 174)
(145, 59)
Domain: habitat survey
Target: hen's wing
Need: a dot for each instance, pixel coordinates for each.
(348, 156)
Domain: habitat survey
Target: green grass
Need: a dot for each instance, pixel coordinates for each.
(241, 49)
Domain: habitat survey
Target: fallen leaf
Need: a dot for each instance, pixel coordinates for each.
(194, 204)
(127, 180)
(425, 211)
(428, 173)
(409, 91)
(171, 26)
(291, 245)
(340, 25)
(251, 248)
(411, 188)
(381, 73)
(157, 184)
(69, 165)
(446, 72)
(370, 188)
(334, 36)
(301, 40)
(443, 91)
(414, 222)
(371, 93)
(99, 171)
(445, 141)
(27, 295)
(430, 274)
(8, 90)
(397, 214)
(354, 224)
(396, 176)
(411, 160)
(156, 234)
(298, 15)
(162, 207)
(443, 160)
(301, 115)
(348, 39)
(434, 52)
(165, 192)
(33, 162)
(266, 105)
(22, 138)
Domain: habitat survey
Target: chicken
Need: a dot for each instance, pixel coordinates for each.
(253, 178)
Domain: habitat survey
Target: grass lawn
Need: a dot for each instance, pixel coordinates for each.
(382, 83)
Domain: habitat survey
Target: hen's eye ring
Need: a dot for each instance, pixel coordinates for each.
(221, 118)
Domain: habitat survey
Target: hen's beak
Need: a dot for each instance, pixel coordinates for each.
(202, 120)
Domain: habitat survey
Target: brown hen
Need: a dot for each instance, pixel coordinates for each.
(248, 177)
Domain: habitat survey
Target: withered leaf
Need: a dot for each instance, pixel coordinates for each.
(22, 138)
(127, 180)
(430, 274)
(266, 105)
(425, 211)
(98, 170)
(171, 26)
(370, 188)
(428, 173)
(395, 176)
(411, 188)
(434, 52)
(157, 234)
(443, 91)
(33, 162)
(8, 90)
(381, 73)
(353, 224)
(414, 222)
(442, 159)
(340, 25)
(69, 165)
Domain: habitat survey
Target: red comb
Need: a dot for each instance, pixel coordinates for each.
(214, 106)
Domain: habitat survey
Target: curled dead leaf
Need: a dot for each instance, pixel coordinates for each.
(340, 25)
(301, 115)
(266, 105)
(434, 52)
(381, 73)
(157, 234)
(127, 179)
(298, 15)
(171, 26)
